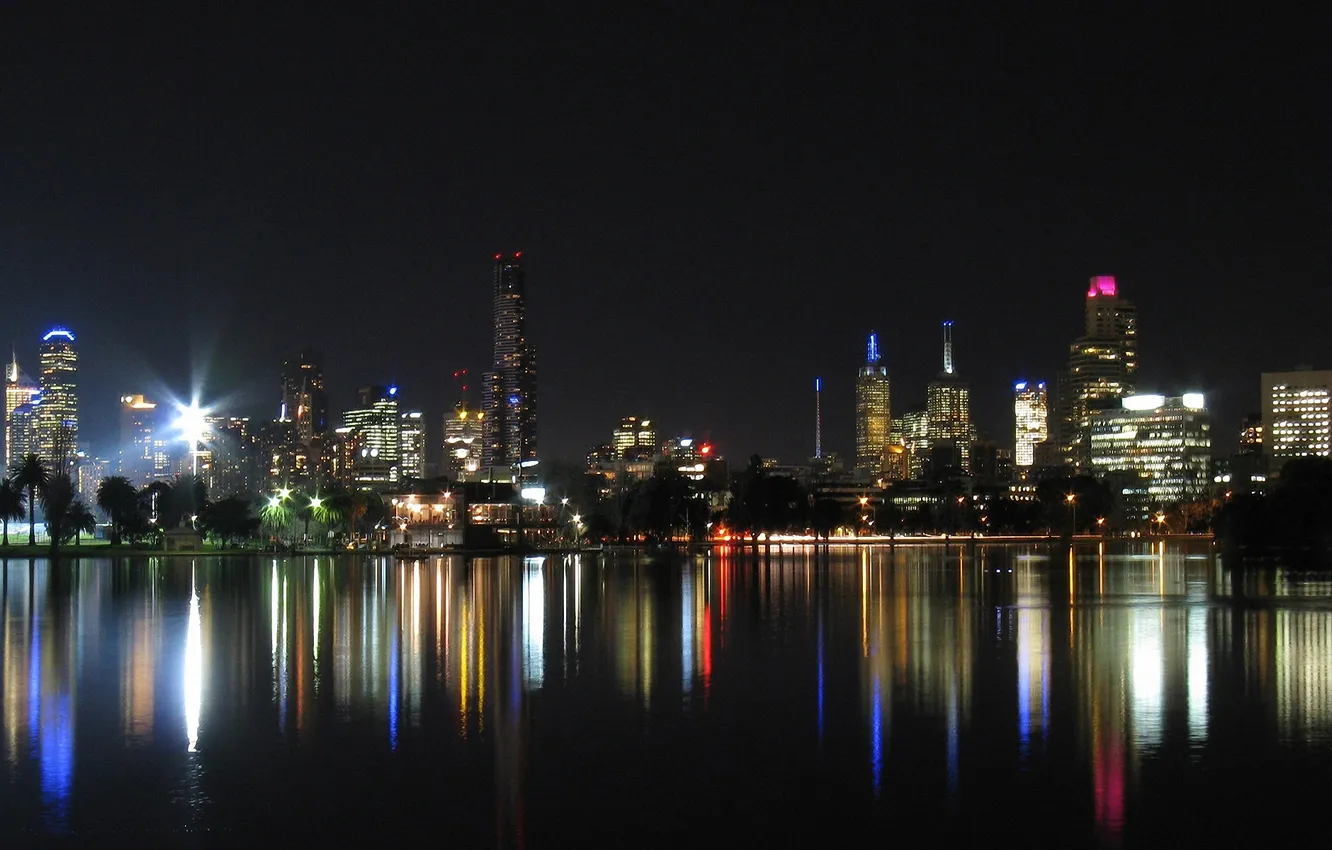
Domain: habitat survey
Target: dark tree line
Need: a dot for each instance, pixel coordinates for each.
(1294, 518)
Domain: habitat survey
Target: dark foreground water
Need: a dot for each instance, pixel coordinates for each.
(1137, 695)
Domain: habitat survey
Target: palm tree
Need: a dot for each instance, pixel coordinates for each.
(11, 503)
(31, 474)
(57, 504)
(117, 498)
(80, 520)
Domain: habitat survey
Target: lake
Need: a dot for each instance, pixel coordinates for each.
(1128, 694)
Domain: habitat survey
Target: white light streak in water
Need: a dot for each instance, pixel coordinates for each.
(1146, 675)
(1033, 674)
(415, 657)
(534, 625)
(273, 614)
(578, 604)
(315, 625)
(687, 628)
(193, 669)
(283, 643)
(1198, 674)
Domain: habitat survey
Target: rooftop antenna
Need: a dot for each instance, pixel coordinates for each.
(873, 348)
(948, 347)
(818, 418)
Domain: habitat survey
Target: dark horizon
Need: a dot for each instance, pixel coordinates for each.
(714, 207)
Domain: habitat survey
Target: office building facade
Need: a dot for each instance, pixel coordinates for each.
(375, 423)
(1031, 420)
(412, 439)
(948, 404)
(20, 391)
(144, 452)
(509, 399)
(305, 396)
(634, 436)
(1162, 444)
(1295, 414)
(1102, 368)
(874, 415)
(462, 443)
(58, 412)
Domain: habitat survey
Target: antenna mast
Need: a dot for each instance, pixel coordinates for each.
(948, 347)
(818, 418)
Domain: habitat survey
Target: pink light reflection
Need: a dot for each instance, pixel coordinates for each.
(1102, 285)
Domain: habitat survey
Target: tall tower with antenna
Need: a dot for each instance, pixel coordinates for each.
(948, 407)
(818, 418)
(873, 411)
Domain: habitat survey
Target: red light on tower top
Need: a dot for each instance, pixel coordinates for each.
(706, 450)
(499, 256)
(1102, 285)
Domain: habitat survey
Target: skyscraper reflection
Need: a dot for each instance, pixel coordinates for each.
(866, 665)
(917, 647)
(1033, 654)
(1304, 675)
(1123, 657)
(140, 643)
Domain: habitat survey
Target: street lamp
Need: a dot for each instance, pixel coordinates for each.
(1100, 525)
(1072, 500)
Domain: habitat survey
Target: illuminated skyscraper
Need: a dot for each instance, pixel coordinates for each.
(1165, 442)
(634, 433)
(911, 432)
(874, 414)
(1102, 368)
(1030, 414)
(304, 396)
(462, 442)
(412, 438)
(1296, 415)
(948, 404)
(143, 445)
(22, 429)
(20, 391)
(509, 392)
(58, 413)
(378, 436)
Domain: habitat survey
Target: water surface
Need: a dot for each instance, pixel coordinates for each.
(1134, 695)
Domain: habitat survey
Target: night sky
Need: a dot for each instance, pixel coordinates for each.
(716, 202)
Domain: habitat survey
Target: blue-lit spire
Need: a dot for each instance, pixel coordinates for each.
(948, 347)
(873, 348)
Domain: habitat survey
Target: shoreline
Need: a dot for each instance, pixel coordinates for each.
(102, 550)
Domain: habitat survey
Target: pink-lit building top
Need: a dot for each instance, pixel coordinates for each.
(1102, 285)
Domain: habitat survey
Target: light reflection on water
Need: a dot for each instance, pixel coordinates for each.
(879, 670)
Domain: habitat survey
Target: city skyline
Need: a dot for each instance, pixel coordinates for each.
(293, 382)
(344, 201)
